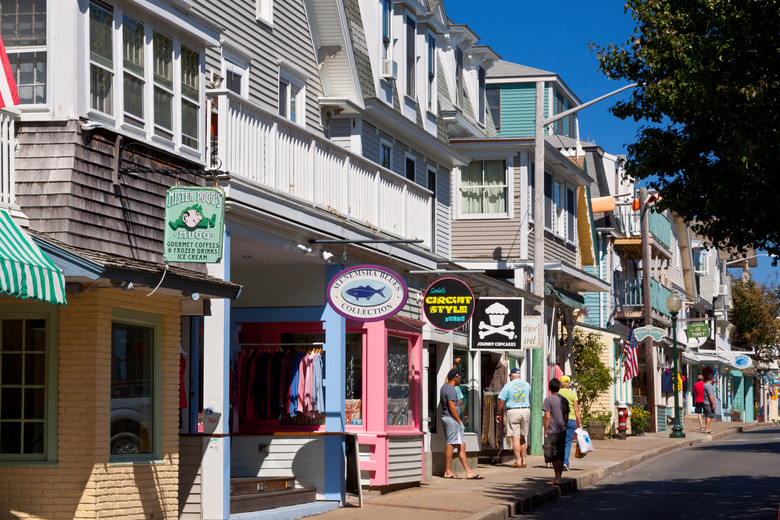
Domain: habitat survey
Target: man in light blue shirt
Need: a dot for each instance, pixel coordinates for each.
(516, 396)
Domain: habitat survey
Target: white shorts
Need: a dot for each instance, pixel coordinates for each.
(517, 422)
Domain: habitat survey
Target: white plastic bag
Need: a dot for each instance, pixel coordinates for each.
(583, 441)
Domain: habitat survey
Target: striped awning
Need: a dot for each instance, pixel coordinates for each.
(25, 270)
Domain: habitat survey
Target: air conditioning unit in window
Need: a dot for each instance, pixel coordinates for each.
(389, 70)
(723, 290)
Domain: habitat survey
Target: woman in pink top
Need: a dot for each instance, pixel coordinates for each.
(698, 399)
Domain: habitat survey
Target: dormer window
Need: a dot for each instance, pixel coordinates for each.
(411, 57)
(387, 29)
(459, 77)
(482, 108)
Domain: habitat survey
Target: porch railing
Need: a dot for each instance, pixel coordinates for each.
(629, 223)
(284, 157)
(7, 156)
(629, 295)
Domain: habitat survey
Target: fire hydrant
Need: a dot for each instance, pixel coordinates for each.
(623, 415)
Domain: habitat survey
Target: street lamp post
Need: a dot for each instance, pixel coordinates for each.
(673, 305)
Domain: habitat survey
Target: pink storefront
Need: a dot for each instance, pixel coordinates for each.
(382, 400)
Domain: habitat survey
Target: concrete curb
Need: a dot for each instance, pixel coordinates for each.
(523, 505)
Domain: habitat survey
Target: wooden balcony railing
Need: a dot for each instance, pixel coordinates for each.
(629, 223)
(287, 158)
(628, 295)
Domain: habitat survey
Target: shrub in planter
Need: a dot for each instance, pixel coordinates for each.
(597, 424)
(640, 421)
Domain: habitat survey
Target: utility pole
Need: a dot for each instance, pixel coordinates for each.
(647, 302)
(538, 387)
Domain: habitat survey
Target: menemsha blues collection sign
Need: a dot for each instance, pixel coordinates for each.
(367, 293)
(448, 304)
(194, 221)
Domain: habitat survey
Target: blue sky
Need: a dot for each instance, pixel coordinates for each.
(554, 36)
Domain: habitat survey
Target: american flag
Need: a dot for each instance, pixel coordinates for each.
(9, 96)
(632, 357)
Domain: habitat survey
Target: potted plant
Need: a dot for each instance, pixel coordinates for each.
(596, 424)
(640, 421)
(736, 413)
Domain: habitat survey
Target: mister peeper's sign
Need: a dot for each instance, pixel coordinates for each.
(194, 222)
(448, 304)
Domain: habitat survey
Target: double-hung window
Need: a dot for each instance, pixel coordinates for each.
(560, 208)
(143, 79)
(484, 188)
(28, 384)
(493, 95)
(23, 30)
(292, 93)
(386, 154)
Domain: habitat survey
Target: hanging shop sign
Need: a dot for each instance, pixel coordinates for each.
(698, 330)
(367, 293)
(497, 324)
(649, 330)
(448, 304)
(742, 361)
(532, 332)
(194, 224)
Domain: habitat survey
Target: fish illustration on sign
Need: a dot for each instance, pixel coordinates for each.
(364, 291)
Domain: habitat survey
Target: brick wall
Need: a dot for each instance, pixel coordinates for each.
(82, 484)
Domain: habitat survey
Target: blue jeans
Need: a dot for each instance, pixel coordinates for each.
(570, 427)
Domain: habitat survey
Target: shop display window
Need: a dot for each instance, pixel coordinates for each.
(399, 406)
(461, 358)
(354, 380)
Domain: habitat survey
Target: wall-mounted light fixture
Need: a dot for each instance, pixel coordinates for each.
(327, 256)
(127, 286)
(306, 250)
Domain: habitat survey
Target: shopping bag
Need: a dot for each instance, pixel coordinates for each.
(584, 443)
(577, 453)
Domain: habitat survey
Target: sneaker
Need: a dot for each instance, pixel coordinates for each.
(565, 467)
(702, 428)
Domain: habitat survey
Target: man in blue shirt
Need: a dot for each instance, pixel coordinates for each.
(516, 396)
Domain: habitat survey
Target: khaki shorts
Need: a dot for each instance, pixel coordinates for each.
(517, 422)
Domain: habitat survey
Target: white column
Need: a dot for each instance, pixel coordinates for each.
(216, 408)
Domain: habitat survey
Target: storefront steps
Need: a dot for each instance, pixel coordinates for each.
(254, 494)
(289, 512)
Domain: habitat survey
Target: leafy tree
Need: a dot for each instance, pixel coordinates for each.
(709, 87)
(592, 375)
(755, 318)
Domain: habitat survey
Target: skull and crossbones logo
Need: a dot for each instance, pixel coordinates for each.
(496, 315)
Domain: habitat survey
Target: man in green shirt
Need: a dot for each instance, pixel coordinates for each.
(575, 419)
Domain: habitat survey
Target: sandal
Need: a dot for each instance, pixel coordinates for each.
(475, 477)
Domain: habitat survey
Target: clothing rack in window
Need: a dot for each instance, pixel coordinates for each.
(280, 381)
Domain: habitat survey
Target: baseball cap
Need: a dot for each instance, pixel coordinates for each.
(565, 379)
(515, 372)
(452, 374)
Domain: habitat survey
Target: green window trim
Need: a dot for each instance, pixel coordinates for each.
(50, 313)
(155, 322)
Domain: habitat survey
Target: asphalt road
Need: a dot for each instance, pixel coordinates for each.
(735, 478)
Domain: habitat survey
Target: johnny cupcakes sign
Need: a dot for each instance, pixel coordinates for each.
(448, 304)
(497, 324)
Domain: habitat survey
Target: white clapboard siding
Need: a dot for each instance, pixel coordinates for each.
(191, 449)
(289, 456)
(405, 464)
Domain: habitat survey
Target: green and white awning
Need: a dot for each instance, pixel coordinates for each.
(25, 270)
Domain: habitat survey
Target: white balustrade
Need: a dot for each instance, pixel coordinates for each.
(287, 158)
